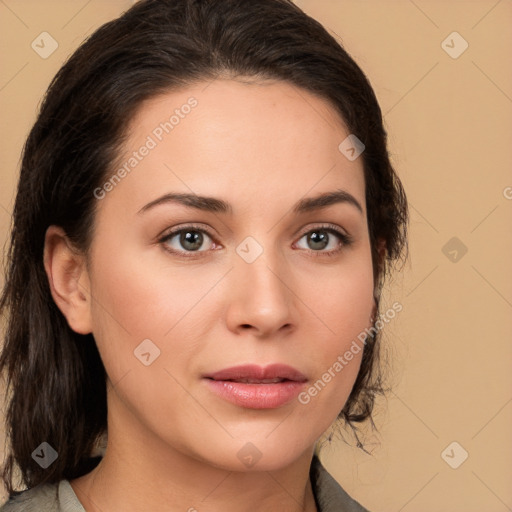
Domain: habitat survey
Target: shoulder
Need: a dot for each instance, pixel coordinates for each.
(329, 494)
(43, 497)
(56, 497)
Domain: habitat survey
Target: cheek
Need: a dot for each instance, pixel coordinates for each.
(126, 309)
(344, 299)
(348, 303)
(137, 298)
(344, 304)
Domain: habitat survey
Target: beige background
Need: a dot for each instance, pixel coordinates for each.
(450, 129)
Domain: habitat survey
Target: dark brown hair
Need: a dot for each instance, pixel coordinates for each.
(56, 381)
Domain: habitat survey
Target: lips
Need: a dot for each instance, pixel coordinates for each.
(254, 374)
(257, 387)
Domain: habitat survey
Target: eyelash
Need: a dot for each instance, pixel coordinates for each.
(346, 240)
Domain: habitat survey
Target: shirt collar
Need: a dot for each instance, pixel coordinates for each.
(329, 495)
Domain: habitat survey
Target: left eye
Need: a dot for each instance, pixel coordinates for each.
(320, 238)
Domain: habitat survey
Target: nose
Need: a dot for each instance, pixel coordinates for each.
(261, 298)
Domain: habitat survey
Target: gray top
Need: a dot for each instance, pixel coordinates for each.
(60, 497)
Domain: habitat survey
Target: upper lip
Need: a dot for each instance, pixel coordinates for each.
(258, 373)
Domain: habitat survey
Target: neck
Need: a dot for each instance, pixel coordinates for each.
(108, 487)
(140, 471)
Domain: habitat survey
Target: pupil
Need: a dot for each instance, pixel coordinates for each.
(191, 237)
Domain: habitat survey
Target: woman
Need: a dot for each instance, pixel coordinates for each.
(205, 215)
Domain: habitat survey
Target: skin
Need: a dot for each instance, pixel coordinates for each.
(172, 443)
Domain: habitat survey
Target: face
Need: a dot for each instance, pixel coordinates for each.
(258, 274)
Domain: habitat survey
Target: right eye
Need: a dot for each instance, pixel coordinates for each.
(185, 241)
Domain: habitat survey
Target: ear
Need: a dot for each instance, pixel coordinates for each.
(68, 279)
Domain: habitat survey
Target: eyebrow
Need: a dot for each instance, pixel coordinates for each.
(214, 205)
(325, 200)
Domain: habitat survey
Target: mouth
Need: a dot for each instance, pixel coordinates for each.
(256, 381)
(256, 387)
(254, 374)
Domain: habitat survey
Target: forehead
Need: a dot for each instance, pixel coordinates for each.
(263, 140)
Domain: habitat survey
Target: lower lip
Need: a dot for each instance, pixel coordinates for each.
(256, 396)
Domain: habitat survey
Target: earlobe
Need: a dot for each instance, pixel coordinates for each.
(68, 279)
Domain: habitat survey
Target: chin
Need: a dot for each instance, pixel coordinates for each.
(257, 453)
